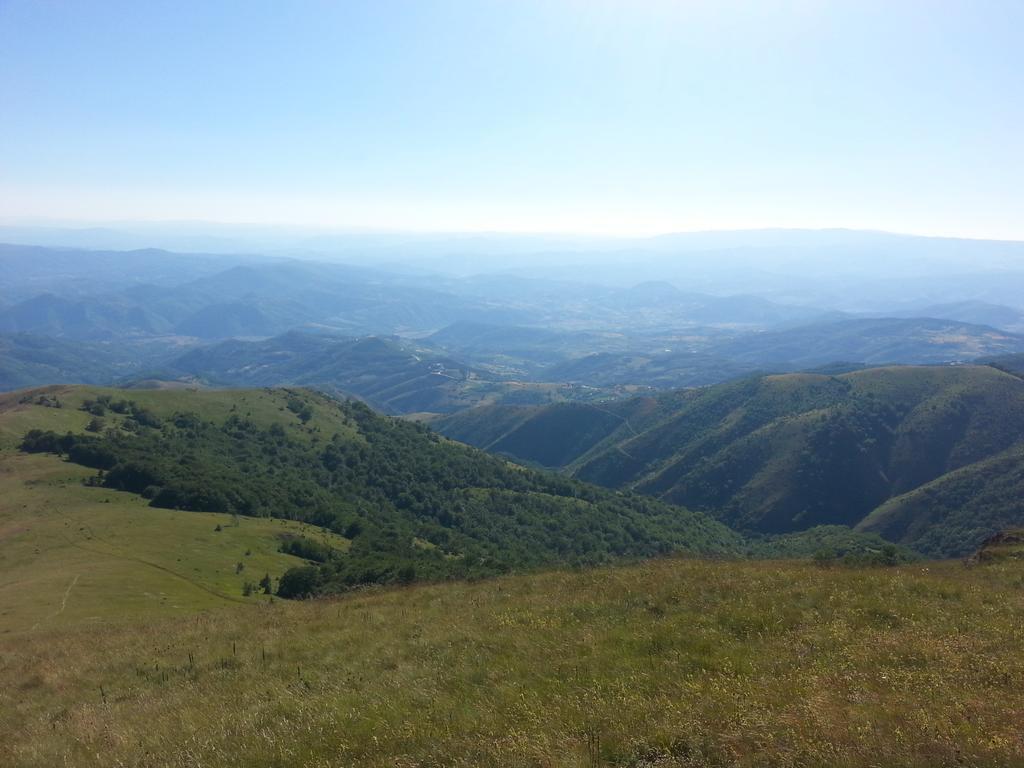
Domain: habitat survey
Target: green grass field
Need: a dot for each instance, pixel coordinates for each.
(71, 554)
(671, 663)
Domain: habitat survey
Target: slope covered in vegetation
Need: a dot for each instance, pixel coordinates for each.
(935, 450)
(72, 552)
(414, 505)
(668, 663)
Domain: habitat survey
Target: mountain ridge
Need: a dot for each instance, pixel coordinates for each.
(786, 452)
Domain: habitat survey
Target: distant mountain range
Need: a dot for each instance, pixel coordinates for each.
(381, 334)
(871, 341)
(252, 299)
(394, 376)
(28, 360)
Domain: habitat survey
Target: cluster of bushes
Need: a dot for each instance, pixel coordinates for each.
(886, 555)
(307, 549)
(300, 408)
(265, 586)
(137, 415)
(833, 545)
(47, 401)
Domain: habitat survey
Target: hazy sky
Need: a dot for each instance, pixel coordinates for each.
(628, 116)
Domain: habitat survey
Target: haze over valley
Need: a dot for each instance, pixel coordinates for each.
(411, 338)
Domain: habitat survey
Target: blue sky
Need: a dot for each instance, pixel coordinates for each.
(605, 116)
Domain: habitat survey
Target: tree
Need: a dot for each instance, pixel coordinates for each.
(265, 584)
(299, 583)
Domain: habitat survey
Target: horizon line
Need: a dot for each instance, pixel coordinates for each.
(100, 224)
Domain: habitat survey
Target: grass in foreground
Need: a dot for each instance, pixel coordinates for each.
(674, 662)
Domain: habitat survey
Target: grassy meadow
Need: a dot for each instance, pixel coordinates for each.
(672, 662)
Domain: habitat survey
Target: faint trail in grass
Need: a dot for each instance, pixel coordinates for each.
(181, 576)
(67, 593)
(508, 432)
(63, 604)
(618, 447)
(151, 564)
(622, 450)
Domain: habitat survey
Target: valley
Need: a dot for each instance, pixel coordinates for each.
(502, 521)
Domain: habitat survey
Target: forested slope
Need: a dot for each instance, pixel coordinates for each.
(773, 454)
(414, 505)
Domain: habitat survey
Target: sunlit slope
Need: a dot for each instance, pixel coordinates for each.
(806, 450)
(670, 663)
(413, 505)
(71, 554)
(783, 453)
(25, 410)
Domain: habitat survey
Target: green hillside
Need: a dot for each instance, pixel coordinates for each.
(557, 435)
(72, 553)
(414, 506)
(967, 504)
(926, 456)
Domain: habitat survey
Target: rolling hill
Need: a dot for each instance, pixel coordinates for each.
(413, 505)
(83, 319)
(649, 369)
(973, 311)
(27, 360)
(393, 375)
(31, 270)
(1010, 363)
(914, 341)
(926, 456)
(74, 553)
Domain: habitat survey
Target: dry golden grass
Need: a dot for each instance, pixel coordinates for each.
(668, 663)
